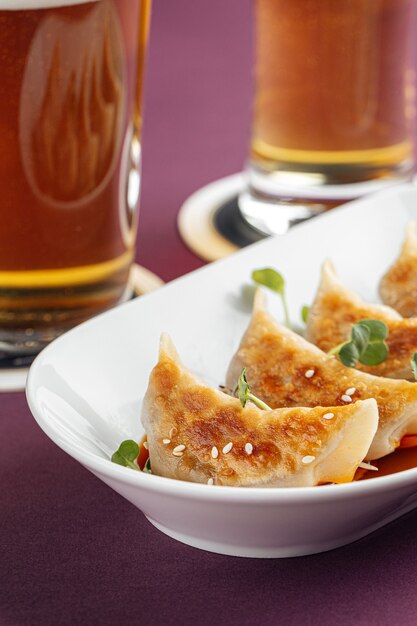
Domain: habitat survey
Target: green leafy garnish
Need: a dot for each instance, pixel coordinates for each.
(127, 453)
(413, 364)
(147, 467)
(367, 344)
(244, 394)
(274, 281)
(305, 310)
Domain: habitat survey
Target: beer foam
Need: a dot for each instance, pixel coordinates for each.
(19, 5)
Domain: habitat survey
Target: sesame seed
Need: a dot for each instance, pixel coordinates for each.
(179, 448)
(166, 441)
(308, 459)
(368, 466)
(177, 453)
(350, 391)
(248, 448)
(328, 416)
(210, 481)
(173, 432)
(346, 398)
(145, 445)
(214, 452)
(227, 447)
(309, 373)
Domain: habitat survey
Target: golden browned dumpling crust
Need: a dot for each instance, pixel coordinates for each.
(200, 434)
(335, 309)
(284, 369)
(398, 287)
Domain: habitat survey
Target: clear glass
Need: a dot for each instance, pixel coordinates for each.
(334, 107)
(70, 128)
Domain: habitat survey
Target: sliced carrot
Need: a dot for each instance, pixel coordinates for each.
(408, 441)
(143, 454)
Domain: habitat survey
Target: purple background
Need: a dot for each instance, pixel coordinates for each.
(73, 551)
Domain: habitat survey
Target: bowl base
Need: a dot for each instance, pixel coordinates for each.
(288, 551)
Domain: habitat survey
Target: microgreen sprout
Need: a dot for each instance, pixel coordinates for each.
(127, 453)
(367, 344)
(305, 310)
(273, 280)
(226, 390)
(244, 394)
(413, 365)
(147, 467)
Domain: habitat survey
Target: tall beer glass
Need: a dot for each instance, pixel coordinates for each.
(71, 77)
(334, 108)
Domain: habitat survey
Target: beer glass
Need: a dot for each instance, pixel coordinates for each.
(334, 108)
(71, 77)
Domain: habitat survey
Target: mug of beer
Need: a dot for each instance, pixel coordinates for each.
(334, 108)
(71, 79)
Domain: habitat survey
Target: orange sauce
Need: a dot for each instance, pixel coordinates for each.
(404, 458)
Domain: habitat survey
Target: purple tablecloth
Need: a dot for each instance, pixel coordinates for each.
(73, 551)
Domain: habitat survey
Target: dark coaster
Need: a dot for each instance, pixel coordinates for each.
(210, 222)
(229, 222)
(10, 362)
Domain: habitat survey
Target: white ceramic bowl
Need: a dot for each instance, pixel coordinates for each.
(85, 389)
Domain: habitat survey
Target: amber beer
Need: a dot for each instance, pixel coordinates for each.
(334, 108)
(70, 127)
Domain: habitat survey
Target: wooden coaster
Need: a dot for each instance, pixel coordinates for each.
(14, 378)
(210, 223)
(143, 281)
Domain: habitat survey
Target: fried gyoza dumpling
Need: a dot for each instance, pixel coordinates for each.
(200, 434)
(283, 369)
(398, 287)
(336, 308)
